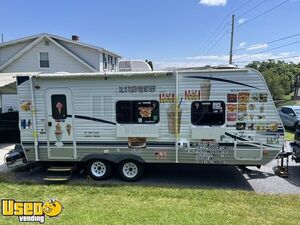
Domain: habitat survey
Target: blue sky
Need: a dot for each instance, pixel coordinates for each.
(168, 32)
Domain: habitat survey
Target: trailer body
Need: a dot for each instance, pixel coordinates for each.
(212, 116)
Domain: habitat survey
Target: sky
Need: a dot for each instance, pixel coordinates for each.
(170, 33)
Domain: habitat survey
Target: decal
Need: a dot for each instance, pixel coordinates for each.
(263, 97)
(137, 89)
(26, 124)
(137, 142)
(58, 135)
(251, 126)
(260, 127)
(242, 108)
(272, 127)
(91, 134)
(171, 118)
(25, 105)
(161, 155)
(192, 94)
(262, 108)
(260, 117)
(273, 140)
(167, 97)
(251, 116)
(242, 117)
(252, 106)
(231, 107)
(231, 97)
(205, 90)
(240, 126)
(69, 129)
(243, 97)
(231, 117)
(254, 97)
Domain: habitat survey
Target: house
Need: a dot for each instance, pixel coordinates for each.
(47, 53)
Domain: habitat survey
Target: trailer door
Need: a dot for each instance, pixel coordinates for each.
(60, 120)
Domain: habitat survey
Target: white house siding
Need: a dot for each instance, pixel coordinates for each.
(89, 55)
(59, 61)
(10, 50)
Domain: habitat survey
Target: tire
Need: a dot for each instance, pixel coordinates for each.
(130, 170)
(99, 169)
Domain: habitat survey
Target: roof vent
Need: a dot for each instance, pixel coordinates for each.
(133, 66)
(75, 38)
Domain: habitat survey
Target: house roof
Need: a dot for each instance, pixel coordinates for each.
(51, 36)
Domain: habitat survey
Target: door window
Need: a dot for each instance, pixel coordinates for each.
(59, 107)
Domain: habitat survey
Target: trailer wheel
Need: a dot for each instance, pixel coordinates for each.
(99, 169)
(130, 170)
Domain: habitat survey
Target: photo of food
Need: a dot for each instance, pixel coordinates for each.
(272, 127)
(251, 126)
(137, 142)
(242, 108)
(240, 126)
(244, 97)
(252, 106)
(241, 117)
(231, 107)
(260, 127)
(263, 97)
(254, 97)
(231, 117)
(231, 97)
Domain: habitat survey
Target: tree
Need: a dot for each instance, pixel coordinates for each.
(279, 75)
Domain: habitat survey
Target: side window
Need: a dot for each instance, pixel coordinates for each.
(290, 111)
(208, 113)
(137, 112)
(44, 60)
(283, 110)
(59, 107)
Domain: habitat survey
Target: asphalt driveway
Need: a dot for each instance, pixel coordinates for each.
(261, 180)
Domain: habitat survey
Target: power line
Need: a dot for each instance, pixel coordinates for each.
(269, 42)
(226, 32)
(282, 46)
(251, 9)
(241, 6)
(286, 57)
(263, 13)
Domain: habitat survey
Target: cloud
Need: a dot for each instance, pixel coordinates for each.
(242, 20)
(213, 2)
(257, 46)
(213, 60)
(242, 44)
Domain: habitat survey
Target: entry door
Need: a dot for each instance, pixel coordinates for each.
(60, 122)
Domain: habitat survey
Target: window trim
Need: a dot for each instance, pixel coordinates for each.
(224, 114)
(135, 123)
(39, 60)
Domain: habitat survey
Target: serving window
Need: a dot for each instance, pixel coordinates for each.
(208, 113)
(137, 112)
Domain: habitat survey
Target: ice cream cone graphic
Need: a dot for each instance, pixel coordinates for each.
(69, 128)
(58, 132)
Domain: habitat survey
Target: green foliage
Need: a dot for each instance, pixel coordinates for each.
(280, 76)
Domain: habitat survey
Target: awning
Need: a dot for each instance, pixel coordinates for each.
(7, 83)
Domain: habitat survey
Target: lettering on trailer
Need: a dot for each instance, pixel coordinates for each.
(137, 89)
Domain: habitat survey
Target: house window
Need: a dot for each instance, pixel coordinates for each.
(44, 60)
(59, 107)
(104, 61)
(137, 112)
(208, 113)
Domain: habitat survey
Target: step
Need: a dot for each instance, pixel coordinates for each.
(60, 169)
(57, 178)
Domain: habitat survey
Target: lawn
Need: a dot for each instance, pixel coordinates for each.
(289, 135)
(132, 204)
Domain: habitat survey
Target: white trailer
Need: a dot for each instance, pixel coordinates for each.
(209, 116)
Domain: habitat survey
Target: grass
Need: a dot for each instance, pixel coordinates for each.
(125, 204)
(289, 135)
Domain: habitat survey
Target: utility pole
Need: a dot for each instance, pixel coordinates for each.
(231, 41)
(1, 38)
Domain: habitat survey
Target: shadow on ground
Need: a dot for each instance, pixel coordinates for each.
(188, 176)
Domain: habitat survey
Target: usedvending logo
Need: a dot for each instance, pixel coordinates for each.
(31, 211)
